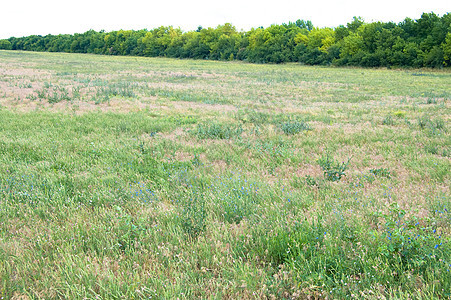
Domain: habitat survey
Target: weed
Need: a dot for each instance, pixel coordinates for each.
(425, 122)
(287, 244)
(114, 91)
(333, 170)
(380, 172)
(41, 94)
(388, 120)
(193, 213)
(431, 101)
(31, 97)
(253, 116)
(406, 239)
(76, 92)
(213, 130)
(310, 181)
(235, 200)
(399, 114)
(58, 94)
(183, 120)
(196, 161)
(294, 127)
(128, 231)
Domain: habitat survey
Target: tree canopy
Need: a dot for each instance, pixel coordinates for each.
(425, 42)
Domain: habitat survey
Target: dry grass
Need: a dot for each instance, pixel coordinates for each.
(107, 190)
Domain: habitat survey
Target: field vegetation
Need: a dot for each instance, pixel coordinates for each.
(131, 177)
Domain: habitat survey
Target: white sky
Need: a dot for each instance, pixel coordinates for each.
(26, 17)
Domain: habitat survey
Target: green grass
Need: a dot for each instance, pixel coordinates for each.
(127, 177)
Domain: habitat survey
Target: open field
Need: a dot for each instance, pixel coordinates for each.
(124, 177)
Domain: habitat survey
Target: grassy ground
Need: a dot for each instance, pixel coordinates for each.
(140, 178)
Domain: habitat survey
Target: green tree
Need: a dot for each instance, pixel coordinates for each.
(352, 44)
(5, 45)
(416, 43)
(434, 58)
(304, 24)
(355, 24)
(226, 42)
(446, 47)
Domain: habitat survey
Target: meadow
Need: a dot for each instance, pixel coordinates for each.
(138, 178)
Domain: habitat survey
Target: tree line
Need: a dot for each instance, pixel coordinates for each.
(424, 42)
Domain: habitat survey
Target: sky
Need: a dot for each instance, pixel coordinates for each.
(26, 17)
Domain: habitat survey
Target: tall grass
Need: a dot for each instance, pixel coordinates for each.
(156, 178)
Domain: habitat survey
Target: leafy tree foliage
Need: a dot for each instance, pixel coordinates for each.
(5, 45)
(425, 42)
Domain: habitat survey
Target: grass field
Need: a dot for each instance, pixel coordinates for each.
(133, 178)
